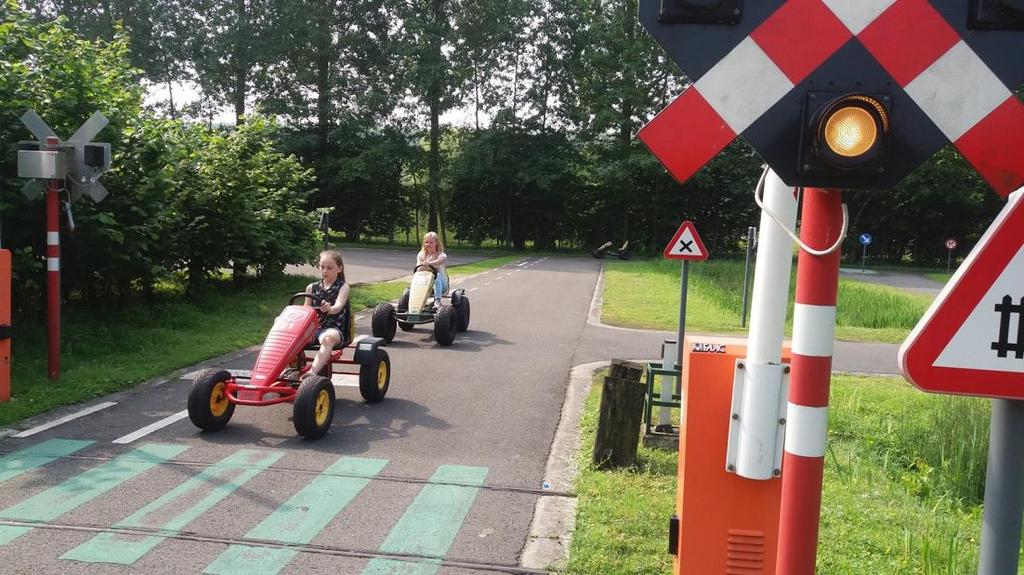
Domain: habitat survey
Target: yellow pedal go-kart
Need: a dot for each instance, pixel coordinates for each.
(419, 305)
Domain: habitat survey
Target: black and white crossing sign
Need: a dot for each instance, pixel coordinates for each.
(686, 244)
(971, 340)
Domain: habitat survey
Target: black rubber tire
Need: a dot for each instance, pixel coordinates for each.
(384, 322)
(626, 255)
(444, 326)
(370, 375)
(304, 412)
(403, 307)
(462, 314)
(206, 385)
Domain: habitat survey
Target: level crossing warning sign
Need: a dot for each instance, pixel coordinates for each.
(971, 340)
(686, 244)
(929, 72)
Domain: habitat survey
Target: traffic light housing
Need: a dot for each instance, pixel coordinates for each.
(700, 11)
(997, 14)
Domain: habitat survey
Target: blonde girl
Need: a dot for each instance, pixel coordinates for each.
(432, 255)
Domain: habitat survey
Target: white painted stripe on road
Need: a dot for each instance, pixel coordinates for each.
(471, 290)
(806, 428)
(53, 264)
(488, 283)
(53, 238)
(527, 262)
(359, 317)
(814, 329)
(156, 426)
(65, 419)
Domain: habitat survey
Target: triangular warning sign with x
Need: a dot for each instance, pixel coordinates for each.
(686, 244)
(971, 340)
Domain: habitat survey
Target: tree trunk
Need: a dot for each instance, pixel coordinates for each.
(241, 61)
(621, 412)
(170, 99)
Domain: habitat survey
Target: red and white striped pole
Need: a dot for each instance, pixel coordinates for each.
(53, 270)
(814, 321)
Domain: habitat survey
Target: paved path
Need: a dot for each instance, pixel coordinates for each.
(371, 265)
(443, 476)
(911, 282)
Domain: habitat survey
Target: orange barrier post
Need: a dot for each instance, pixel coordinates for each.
(728, 524)
(5, 325)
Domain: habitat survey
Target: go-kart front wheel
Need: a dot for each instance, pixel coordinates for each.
(445, 326)
(208, 405)
(375, 377)
(403, 307)
(384, 322)
(462, 314)
(314, 407)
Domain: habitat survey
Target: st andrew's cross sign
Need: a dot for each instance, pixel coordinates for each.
(920, 73)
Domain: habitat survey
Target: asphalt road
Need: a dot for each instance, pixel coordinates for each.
(450, 465)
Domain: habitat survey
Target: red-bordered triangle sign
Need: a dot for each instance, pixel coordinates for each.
(686, 244)
(971, 340)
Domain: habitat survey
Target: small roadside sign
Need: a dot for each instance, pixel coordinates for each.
(951, 244)
(686, 245)
(865, 239)
(971, 340)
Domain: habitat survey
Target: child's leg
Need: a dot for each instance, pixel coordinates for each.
(328, 339)
(440, 286)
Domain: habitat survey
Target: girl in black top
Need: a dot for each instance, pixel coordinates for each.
(333, 312)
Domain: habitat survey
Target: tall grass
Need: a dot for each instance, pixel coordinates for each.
(936, 446)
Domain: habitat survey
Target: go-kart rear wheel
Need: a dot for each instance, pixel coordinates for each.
(375, 377)
(462, 314)
(444, 326)
(208, 405)
(384, 322)
(314, 407)
(403, 307)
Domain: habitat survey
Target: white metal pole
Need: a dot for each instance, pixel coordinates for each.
(758, 417)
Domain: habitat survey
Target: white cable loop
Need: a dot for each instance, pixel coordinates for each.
(839, 242)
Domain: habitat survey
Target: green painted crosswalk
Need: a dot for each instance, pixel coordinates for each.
(14, 464)
(203, 491)
(300, 518)
(425, 531)
(431, 522)
(84, 487)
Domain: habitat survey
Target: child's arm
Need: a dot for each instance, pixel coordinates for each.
(309, 290)
(339, 304)
(438, 260)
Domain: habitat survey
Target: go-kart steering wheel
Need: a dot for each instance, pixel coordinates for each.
(418, 266)
(316, 300)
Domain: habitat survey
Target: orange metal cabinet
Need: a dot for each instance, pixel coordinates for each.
(728, 524)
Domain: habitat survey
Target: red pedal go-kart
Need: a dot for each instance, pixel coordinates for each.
(276, 376)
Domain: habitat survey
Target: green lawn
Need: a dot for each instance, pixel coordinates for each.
(901, 491)
(645, 294)
(106, 349)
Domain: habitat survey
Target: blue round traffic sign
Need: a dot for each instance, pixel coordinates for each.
(864, 239)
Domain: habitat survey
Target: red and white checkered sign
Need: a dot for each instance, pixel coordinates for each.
(949, 83)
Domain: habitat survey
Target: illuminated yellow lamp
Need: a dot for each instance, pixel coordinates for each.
(850, 132)
(853, 126)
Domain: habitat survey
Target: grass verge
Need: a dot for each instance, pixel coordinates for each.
(900, 488)
(645, 294)
(107, 349)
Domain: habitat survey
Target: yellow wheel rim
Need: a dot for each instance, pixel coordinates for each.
(218, 400)
(382, 375)
(323, 405)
